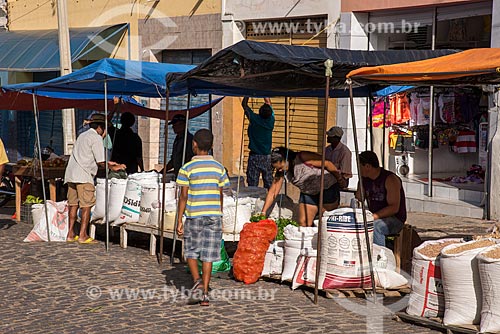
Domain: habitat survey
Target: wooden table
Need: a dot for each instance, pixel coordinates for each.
(49, 173)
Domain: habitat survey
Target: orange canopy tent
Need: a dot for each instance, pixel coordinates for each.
(471, 67)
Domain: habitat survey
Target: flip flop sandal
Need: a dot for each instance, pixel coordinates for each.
(88, 241)
(72, 240)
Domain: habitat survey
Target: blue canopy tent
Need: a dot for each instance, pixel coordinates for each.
(107, 77)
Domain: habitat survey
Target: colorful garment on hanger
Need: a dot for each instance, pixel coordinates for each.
(419, 110)
(465, 143)
(378, 114)
(400, 108)
(447, 110)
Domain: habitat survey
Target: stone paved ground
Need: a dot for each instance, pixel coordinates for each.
(46, 289)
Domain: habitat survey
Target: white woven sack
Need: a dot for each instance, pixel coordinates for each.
(36, 213)
(427, 295)
(462, 286)
(116, 195)
(305, 273)
(131, 203)
(100, 199)
(240, 217)
(296, 239)
(58, 223)
(273, 262)
(489, 273)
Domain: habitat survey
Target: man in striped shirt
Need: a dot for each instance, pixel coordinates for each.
(201, 181)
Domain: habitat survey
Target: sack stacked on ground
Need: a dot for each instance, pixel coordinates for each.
(297, 239)
(273, 262)
(489, 273)
(248, 260)
(427, 295)
(461, 282)
(36, 213)
(116, 193)
(345, 257)
(100, 203)
(58, 223)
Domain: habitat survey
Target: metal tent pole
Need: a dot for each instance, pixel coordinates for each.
(362, 191)
(162, 215)
(39, 146)
(177, 213)
(328, 73)
(106, 181)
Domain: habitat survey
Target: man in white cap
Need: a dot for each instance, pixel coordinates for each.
(339, 154)
(86, 158)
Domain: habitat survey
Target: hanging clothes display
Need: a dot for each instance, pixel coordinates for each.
(400, 108)
(447, 111)
(381, 107)
(419, 109)
(465, 143)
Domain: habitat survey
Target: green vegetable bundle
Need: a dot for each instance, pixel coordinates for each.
(282, 222)
(30, 199)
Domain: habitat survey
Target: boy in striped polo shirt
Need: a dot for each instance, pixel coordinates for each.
(201, 181)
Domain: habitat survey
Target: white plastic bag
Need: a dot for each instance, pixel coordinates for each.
(58, 223)
(36, 213)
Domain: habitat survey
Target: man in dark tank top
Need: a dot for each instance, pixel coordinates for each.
(385, 195)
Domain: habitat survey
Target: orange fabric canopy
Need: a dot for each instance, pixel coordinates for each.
(484, 63)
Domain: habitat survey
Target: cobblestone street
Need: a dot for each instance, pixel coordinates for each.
(71, 288)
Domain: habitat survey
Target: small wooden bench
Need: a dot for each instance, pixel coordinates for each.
(404, 243)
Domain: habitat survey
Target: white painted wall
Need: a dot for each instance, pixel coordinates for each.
(249, 10)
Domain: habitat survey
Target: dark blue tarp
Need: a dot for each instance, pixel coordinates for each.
(267, 69)
(123, 78)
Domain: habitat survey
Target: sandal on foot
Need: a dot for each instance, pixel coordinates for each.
(72, 239)
(89, 240)
(205, 301)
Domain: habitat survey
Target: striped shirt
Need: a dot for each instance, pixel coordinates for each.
(204, 176)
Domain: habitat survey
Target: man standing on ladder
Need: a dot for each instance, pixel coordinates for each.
(260, 136)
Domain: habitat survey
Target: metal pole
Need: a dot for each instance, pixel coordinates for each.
(362, 191)
(321, 192)
(129, 46)
(383, 133)
(431, 130)
(65, 64)
(431, 112)
(106, 190)
(371, 125)
(287, 135)
(183, 159)
(240, 170)
(162, 214)
(35, 112)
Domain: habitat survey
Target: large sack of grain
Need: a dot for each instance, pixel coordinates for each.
(461, 282)
(169, 214)
(36, 213)
(283, 207)
(131, 203)
(345, 255)
(296, 239)
(116, 195)
(273, 262)
(489, 272)
(100, 199)
(248, 260)
(427, 296)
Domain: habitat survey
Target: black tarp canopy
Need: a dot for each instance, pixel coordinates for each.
(267, 69)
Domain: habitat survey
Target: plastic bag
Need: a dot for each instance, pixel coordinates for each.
(248, 261)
